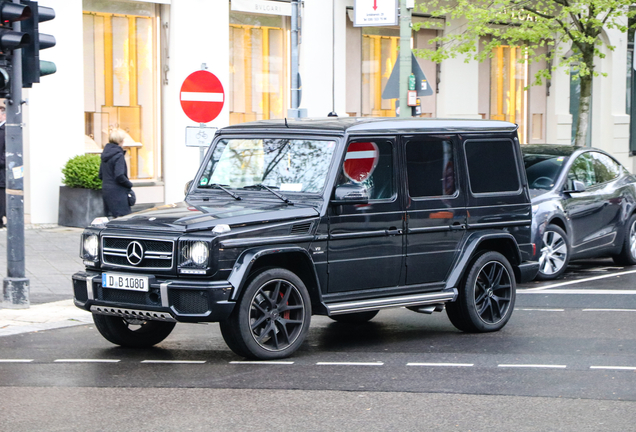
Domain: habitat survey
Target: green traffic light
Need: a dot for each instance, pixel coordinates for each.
(47, 68)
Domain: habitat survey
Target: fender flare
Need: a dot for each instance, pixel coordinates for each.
(468, 252)
(245, 262)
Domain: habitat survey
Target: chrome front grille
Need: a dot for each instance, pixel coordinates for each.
(120, 252)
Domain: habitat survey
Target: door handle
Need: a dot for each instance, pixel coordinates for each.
(393, 231)
(457, 226)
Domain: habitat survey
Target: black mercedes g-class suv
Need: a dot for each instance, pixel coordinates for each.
(337, 217)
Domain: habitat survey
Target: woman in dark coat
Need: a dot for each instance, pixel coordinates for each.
(113, 172)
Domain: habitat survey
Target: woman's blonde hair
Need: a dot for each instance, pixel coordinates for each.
(117, 136)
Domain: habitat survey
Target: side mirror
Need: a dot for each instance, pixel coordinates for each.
(577, 186)
(351, 194)
(187, 187)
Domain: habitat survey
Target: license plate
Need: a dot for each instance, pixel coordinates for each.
(125, 282)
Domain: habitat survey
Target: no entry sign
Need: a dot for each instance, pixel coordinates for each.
(360, 160)
(202, 96)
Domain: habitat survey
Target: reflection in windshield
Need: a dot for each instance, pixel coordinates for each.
(543, 170)
(284, 164)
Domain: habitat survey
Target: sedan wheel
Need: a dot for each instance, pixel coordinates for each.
(627, 256)
(555, 253)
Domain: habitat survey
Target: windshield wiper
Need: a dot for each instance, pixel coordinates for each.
(218, 186)
(270, 189)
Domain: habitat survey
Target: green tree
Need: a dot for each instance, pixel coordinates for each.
(560, 26)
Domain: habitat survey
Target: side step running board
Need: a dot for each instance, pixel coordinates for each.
(391, 302)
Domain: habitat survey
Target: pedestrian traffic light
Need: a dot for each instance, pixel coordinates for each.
(32, 67)
(10, 40)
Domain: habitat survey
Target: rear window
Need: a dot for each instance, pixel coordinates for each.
(492, 166)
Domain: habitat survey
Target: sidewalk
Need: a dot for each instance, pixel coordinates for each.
(52, 256)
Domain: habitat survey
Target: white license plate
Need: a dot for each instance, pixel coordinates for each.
(125, 282)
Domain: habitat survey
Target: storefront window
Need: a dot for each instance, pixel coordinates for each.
(120, 79)
(508, 80)
(379, 55)
(259, 76)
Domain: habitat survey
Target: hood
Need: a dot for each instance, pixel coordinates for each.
(204, 215)
(110, 151)
(535, 193)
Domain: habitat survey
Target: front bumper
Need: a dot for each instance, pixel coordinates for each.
(166, 300)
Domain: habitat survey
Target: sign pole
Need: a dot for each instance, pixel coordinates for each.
(15, 286)
(405, 57)
(295, 102)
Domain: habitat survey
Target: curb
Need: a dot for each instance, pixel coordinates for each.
(40, 317)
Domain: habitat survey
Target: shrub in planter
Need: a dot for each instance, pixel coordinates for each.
(81, 195)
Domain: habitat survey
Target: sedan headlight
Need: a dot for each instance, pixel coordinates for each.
(194, 256)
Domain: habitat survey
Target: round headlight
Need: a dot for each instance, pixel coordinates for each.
(91, 245)
(199, 252)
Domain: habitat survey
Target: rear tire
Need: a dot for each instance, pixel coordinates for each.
(132, 333)
(555, 253)
(355, 318)
(486, 297)
(627, 256)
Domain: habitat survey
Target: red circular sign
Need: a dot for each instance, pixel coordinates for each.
(202, 96)
(360, 160)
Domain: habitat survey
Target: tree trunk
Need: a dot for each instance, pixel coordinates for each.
(585, 100)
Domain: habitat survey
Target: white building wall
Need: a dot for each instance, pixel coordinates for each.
(54, 119)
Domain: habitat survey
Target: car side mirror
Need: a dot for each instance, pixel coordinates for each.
(351, 194)
(577, 186)
(187, 187)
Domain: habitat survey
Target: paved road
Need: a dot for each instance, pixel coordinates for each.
(566, 361)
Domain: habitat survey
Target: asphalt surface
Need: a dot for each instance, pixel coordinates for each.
(566, 362)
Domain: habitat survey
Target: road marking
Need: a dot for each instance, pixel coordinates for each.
(349, 364)
(614, 367)
(174, 361)
(442, 364)
(540, 310)
(547, 287)
(541, 366)
(609, 310)
(263, 362)
(16, 360)
(580, 291)
(87, 361)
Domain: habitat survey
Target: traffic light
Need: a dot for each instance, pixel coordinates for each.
(10, 40)
(32, 67)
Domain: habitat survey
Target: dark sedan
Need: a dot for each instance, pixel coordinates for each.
(583, 205)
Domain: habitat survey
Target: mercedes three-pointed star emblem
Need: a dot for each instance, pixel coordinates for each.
(135, 253)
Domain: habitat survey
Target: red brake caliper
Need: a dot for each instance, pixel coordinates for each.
(287, 312)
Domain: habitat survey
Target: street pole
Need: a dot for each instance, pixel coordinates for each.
(15, 286)
(293, 112)
(405, 58)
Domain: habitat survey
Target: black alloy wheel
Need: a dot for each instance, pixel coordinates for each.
(272, 317)
(132, 333)
(487, 296)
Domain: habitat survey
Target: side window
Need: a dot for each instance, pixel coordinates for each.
(582, 170)
(492, 166)
(605, 167)
(430, 167)
(370, 163)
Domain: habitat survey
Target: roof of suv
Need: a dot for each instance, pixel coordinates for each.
(375, 124)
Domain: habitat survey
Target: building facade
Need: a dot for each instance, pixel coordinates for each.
(121, 64)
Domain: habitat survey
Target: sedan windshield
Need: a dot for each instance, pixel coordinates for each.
(289, 165)
(543, 170)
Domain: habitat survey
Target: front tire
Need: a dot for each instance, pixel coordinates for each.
(555, 253)
(132, 333)
(271, 318)
(487, 295)
(627, 256)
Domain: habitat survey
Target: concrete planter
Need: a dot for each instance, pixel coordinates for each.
(78, 207)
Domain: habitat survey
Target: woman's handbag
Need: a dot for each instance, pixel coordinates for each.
(132, 198)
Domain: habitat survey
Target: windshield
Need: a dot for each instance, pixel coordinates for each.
(543, 170)
(292, 165)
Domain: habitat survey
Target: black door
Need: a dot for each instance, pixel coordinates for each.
(436, 207)
(366, 241)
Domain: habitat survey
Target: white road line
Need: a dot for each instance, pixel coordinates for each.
(442, 364)
(540, 366)
(580, 291)
(540, 310)
(16, 360)
(547, 287)
(87, 361)
(263, 362)
(609, 310)
(174, 361)
(349, 364)
(631, 368)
